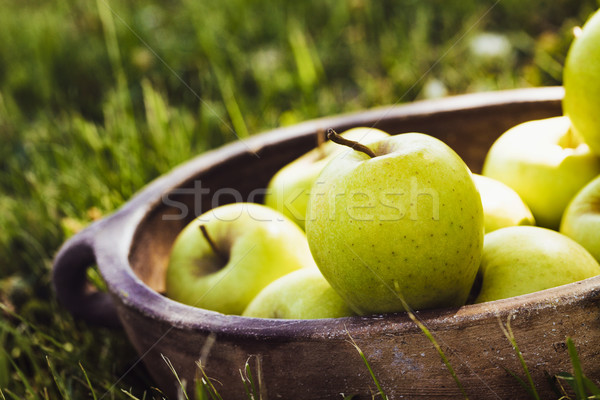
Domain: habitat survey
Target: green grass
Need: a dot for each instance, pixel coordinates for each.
(528, 385)
(99, 98)
(582, 386)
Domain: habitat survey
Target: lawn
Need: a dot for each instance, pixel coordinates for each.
(99, 98)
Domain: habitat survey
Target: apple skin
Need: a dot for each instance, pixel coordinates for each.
(545, 162)
(581, 220)
(525, 259)
(407, 223)
(581, 80)
(302, 294)
(502, 206)
(260, 245)
(289, 189)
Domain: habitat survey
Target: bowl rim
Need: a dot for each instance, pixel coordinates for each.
(129, 290)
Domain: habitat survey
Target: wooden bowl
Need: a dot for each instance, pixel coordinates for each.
(313, 359)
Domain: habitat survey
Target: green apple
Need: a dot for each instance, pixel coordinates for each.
(581, 80)
(397, 222)
(224, 258)
(524, 259)
(581, 220)
(545, 162)
(302, 294)
(502, 206)
(289, 189)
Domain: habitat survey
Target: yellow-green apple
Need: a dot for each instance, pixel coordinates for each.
(396, 223)
(581, 80)
(502, 206)
(581, 220)
(223, 258)
(302, 294)
(545, 162)
(289, 189)
(524, 259)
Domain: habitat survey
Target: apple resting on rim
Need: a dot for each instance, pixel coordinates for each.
(525, 259)
(396, 224)
(223, 258)
(302, 294)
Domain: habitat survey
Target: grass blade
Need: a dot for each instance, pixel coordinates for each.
(87, 379)
(23, 378)
(591, 387)
(128, 394)
(524, 384)
(429, 336)
(172, 368)
(4, 363)
(434, 342)
(555, 384)
(207, 386)
(11, 394)
(364, 358)
(581, 384)
(396, 291)
(578, 384)
(232, 106)
(248, 380)
(570, 379)
(246, 388)
(507, 330)
(57, 380)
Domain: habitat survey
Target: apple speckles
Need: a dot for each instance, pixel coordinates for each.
(410, 246)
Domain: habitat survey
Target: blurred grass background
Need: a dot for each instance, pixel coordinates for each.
(98, 98)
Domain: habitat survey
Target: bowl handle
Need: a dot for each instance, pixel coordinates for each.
(72, 288)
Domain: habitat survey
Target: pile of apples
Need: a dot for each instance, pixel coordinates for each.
(369, 223)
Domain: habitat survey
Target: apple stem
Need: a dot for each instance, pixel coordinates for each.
(335, 137)
(212, 244)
